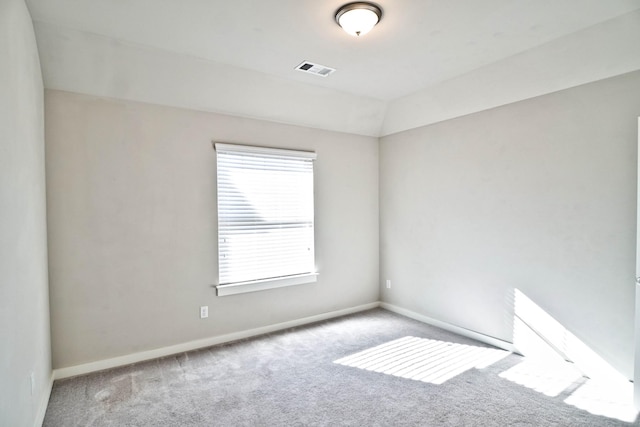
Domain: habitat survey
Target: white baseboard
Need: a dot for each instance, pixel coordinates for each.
(203, 343)
(221, 339)
(44, 403)
(505, 345)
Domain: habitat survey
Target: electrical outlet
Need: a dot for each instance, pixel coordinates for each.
(204, 311)
(388, 284)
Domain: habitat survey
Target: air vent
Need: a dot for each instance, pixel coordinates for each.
(318, 70)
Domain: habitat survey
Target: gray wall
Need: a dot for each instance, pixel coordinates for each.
(24, 302)
(539, 195)
(132, 226)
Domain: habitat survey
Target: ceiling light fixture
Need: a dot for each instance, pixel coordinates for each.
(358, 18)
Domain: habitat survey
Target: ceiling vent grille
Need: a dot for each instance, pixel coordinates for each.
(317, 69)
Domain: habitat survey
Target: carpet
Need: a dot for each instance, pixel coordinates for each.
(374, 368)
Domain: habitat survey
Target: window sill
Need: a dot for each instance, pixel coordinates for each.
(261, 285)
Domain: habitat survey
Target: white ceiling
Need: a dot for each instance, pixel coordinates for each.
(418, 45)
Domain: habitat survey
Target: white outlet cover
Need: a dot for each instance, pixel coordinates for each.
(204, 311)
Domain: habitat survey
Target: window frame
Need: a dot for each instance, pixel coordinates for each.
(233, 288)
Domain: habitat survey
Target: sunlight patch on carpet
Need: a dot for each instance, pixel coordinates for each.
(611, 399)
(423, 359)
(550, 379)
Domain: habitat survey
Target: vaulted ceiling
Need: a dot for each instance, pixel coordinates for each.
(426, 61)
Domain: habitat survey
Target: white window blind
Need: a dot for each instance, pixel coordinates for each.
(265, 217)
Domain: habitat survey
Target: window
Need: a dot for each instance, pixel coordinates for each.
(265, 218)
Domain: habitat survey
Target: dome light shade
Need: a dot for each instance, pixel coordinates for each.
(358, 18)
